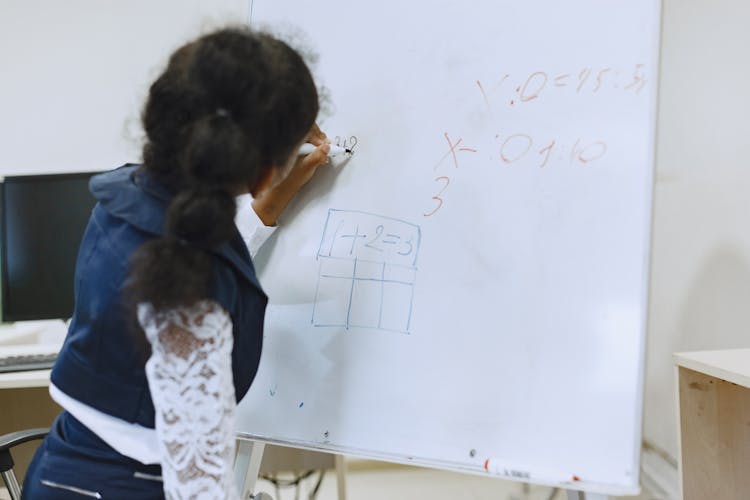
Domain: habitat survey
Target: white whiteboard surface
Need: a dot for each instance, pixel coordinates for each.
(75, 75)
(496, 216)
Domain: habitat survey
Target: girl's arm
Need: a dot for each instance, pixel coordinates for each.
(190, 378)
(270, 204)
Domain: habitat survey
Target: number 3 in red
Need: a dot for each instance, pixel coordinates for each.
(437, 196)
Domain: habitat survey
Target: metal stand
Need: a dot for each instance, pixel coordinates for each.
(247, 467)
(582, 495)
(341, 477)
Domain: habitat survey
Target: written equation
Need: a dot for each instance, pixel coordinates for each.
(512, 149)
(367, 272)
(527, 149)
(516, 147)
(512, 91)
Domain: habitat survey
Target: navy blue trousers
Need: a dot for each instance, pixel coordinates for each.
(73, 463)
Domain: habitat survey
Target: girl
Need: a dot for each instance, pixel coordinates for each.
(168, 324)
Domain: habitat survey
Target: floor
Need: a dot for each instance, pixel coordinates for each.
(374, 481)
(379, 481)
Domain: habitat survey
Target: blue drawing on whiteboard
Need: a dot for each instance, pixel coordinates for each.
(367, 272)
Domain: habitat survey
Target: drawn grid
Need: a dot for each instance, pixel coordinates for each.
(367, 272)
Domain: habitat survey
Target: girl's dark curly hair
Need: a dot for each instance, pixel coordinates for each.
(229, 107)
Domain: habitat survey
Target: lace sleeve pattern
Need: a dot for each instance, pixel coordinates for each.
(190, 378)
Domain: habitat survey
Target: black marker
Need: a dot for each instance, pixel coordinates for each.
(308, 148)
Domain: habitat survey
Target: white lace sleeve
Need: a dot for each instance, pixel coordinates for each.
(190, 378)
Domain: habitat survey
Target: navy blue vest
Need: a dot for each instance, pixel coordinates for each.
(102, 361)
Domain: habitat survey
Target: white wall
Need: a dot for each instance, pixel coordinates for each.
(74, 75)
(700, 271)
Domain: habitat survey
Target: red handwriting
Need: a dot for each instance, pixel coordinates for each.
(639, 80)
(583, 77)
(546, 154)
(453, 147)
(586, 81)
(519, 148)
(515, 147)
(587, 153)
(533, 86)
(600, 79)
(437, 197)
(560, 81)
(484, 95)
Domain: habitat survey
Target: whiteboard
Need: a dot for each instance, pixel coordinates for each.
(471, 284)
(76, 75)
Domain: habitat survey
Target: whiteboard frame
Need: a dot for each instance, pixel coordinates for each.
(599, 488)
(435, 464)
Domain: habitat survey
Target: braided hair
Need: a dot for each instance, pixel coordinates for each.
(229, 107)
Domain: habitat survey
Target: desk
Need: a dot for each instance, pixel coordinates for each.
(20, 380)
(714, 419)
(25, 403)
(24, 398)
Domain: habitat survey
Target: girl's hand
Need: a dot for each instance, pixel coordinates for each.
(306, 166)
(271, 203)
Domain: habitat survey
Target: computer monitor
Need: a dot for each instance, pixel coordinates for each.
(43, 218)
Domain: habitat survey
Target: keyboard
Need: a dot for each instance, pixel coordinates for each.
(27, 357)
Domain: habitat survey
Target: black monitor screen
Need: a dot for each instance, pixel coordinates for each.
(43, 220)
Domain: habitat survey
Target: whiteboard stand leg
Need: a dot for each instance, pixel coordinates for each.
(341, 476)
(247, 466)
(582, 495)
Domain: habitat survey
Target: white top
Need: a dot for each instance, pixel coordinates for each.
(252, 229)
(133, 440)
(732, 365)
